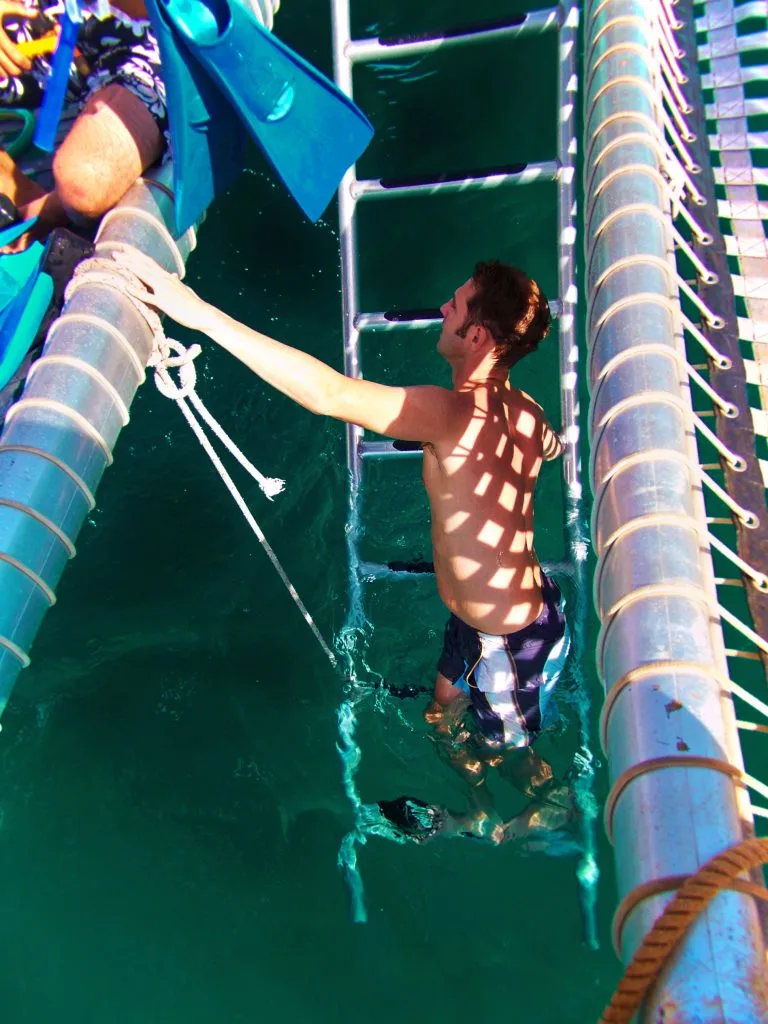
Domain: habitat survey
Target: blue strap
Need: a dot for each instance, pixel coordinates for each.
(56, 87)
(10, 234)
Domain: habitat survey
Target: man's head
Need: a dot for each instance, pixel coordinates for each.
(499, 309)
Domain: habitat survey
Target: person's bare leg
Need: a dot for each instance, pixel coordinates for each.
(15, 184)
(447, 716)
(112, 142)
(526, 771)
(552, 807)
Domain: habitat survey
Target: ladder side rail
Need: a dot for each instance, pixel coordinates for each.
(350, 299)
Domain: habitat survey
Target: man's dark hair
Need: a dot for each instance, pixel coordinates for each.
(511, 306)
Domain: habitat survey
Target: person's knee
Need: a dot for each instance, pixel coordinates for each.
(85, 187)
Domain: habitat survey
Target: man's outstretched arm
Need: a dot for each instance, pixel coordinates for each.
(409, 413)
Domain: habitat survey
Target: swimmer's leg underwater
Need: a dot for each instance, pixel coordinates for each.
(544, 825)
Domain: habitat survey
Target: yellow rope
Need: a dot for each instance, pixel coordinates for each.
(695, 894)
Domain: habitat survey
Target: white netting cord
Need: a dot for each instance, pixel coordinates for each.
(715, 322)
(722, 361)
(759, 579)
(674, 84)
(674, 109)
(737, 462)
(669, 14)
(666, 26)
(745, 517)
(667, 44)
(705, 273)
(680, 210)
(727, 408)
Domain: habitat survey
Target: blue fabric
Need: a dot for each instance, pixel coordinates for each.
(25, 294)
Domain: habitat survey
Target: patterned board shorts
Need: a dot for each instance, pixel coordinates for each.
(117, 49)
(510, 679)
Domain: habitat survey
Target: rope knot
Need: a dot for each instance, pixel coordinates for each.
(168, 354)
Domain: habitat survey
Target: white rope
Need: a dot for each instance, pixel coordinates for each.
(680, 182)
(671, 51)
(664, 23)
(715, 322)
(183, 361)
(747, 518)
(683, 126)
(737, 462)
(669, 14)
(688, 162)
(707, 276)
(727, 408)
(680, 210)
(161, 360)
(719, 358)
(674, 85)
(169, 354)
(745, 630)
(759, 579)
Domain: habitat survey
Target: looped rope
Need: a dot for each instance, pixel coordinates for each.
(692, 898)
(184, 362)
(167, 354)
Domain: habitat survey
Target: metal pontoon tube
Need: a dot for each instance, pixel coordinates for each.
(58, 438)
(660, 653)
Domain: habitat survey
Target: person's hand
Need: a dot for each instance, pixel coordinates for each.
(12, 61)
(162, 290)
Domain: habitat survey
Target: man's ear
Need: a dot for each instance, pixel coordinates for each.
(480, 336)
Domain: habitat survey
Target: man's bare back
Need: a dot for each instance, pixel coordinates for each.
(480, 487)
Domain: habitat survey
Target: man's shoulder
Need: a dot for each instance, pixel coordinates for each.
(523, 398)
(522, 402)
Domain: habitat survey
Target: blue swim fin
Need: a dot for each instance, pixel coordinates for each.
(25, 294)
(207, 140)
(306, 127)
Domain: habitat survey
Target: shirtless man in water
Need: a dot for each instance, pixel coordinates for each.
(484, 442)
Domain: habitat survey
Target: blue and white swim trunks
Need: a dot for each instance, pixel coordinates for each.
(510, 678)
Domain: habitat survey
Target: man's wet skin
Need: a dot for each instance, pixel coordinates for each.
(480, 485)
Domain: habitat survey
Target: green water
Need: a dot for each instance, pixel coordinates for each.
(171, 798)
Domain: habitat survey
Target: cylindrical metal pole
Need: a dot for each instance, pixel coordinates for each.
(668, 725)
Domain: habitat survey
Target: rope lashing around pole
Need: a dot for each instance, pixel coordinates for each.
(692, 898)
(169, 354)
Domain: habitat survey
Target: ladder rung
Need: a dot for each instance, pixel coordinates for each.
(390, 450)
(460, 181)
(416, 319)
(513, 174)
(403, 320)
(369, 572)
(360, 50)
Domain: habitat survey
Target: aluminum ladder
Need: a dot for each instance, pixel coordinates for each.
(348, 53)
